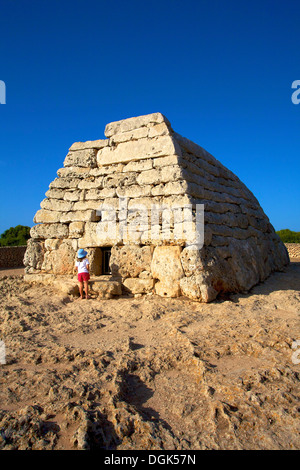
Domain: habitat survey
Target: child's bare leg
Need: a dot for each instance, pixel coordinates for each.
(81, 289)
(86, 288)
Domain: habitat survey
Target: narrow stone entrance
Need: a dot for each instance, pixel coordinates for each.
(106, 253)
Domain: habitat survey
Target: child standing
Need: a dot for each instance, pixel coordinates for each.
(83, 268)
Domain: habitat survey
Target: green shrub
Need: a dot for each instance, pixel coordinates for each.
(288, 236)
(15, 236)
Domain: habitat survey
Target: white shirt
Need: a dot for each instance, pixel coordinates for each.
(82, 266)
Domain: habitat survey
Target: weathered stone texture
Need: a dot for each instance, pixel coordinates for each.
(138, 286)
(34, 256)
(83, 158)
(95, 259)
(56, 205)
(166, 267)
(43, 231)
(130, 260)
(47, 217)
(61, 260)
(76, 229)
(79, 216)
(106, 289)
(138, 150)
(90, 144)
(129, 124)
(99, 234)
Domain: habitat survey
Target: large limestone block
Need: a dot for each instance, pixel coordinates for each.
(157, 204)
(106, 289)
(44, 231)
(191, 261)
(166, 263)
(160, 175)
(138, 150)
(234, 267)
(159, 129)
(89, 144)
(76, 229)
(44, 216)
(84, 158)
(66, 286)
(73, 196)
(168, 289)
(65, 183)
(142, 202)
(130, 260)
(61, 284)
(140, 133)
(34, 255)
(166, 161)
(106, 233)
(98, 194)
(129, 124)
(138, 166)
(119, 179)
(170, 189)
(91, 183)
(197, 287)
(56, 205)
(73, 172)
(134, 191)
(79, 216)
(138, 286)
(111, 203)
(62, 260)
(107, 170)
(87, 205)
(245, 260)
(283, 255)
(95, 259)
(134, 134)
(259, 223)
(55, 193)
(52, 243)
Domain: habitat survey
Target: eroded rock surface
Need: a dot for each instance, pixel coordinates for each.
(149, 372)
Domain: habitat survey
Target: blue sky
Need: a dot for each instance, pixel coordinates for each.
(221, 72)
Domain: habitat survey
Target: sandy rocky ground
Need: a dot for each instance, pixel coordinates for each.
(149, 372)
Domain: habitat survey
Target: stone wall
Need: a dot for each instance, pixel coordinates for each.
(293, 249)
(12, 256)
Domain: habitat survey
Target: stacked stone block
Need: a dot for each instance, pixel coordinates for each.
(143, 163)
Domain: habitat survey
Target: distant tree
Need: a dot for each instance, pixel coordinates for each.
(288, 236)
(15, 236)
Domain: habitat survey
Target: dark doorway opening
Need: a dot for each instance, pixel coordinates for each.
(106, 252)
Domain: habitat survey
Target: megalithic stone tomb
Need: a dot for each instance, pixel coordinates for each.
(124, 198)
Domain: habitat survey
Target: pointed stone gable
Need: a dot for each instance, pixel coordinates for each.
(104, 196)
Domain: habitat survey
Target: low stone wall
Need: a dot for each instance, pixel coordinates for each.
(12, 256)
(293, 249)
